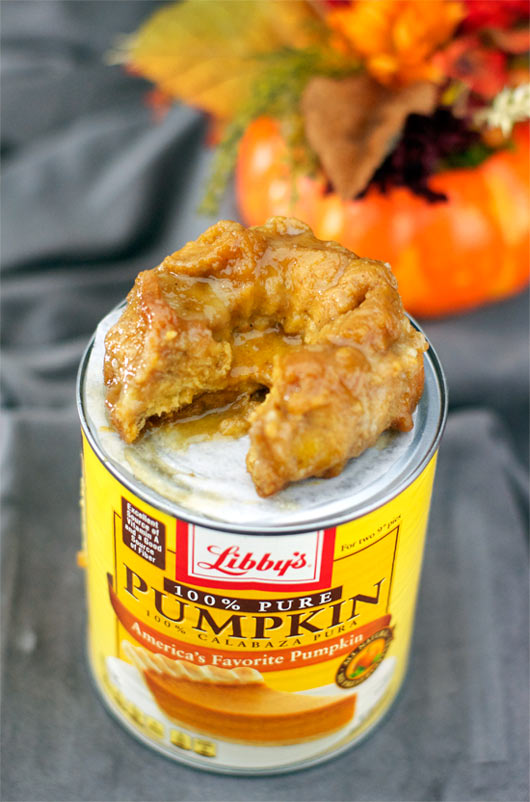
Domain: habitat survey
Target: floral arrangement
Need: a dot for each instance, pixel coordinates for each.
(368, 95)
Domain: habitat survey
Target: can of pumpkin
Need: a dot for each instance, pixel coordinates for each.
(247, 635)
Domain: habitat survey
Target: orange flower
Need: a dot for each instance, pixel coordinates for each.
(397, 38)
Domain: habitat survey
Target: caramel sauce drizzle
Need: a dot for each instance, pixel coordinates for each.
(226, 413)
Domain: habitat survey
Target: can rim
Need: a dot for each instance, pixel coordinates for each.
(171, 508)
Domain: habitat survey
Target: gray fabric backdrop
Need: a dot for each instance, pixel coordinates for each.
(93, 191)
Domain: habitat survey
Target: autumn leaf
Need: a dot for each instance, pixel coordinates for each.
(353, 123)
(208, 53)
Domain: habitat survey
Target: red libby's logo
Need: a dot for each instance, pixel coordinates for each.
(232, 562)
(270, 562)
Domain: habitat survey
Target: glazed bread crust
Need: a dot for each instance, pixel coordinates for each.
(339, 357)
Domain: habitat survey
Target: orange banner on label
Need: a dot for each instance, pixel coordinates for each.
(271, 660)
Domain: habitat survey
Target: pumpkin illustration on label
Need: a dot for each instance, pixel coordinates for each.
(365, 659)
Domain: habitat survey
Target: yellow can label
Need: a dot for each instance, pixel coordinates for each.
(248, 652)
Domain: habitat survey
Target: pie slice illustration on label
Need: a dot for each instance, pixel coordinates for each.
(236, 704)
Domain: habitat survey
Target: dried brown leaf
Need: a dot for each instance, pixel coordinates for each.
(352, 124)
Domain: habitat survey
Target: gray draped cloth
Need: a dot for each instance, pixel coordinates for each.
(94, 191)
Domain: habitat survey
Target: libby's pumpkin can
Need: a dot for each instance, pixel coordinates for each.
(249, 635)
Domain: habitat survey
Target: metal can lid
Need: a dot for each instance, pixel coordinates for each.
(207, 483)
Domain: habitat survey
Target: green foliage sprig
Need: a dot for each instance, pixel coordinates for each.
(276, 92)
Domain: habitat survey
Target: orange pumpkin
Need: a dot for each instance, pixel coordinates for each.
(448, 257)
(370, 652)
